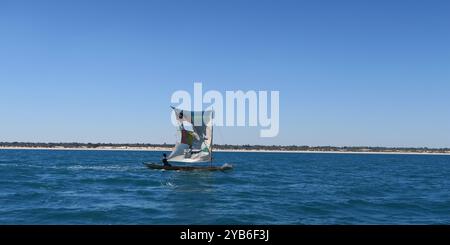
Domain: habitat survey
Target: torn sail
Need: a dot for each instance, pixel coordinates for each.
(196, 136)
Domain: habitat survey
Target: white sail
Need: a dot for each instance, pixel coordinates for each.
(196, 137)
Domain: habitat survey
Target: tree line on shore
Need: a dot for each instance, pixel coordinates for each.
(230, 147)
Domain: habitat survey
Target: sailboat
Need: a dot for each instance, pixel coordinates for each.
(195, 147)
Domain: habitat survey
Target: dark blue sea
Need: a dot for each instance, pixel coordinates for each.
(113, 187)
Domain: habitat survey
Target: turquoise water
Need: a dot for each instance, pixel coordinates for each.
(113, 187)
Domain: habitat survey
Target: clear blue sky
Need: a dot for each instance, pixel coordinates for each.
(371, 73)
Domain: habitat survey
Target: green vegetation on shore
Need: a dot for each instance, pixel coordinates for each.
(229, 147)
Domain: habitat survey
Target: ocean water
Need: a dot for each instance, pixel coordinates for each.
(113, 187)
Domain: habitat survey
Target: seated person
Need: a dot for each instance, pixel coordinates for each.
(164, 161)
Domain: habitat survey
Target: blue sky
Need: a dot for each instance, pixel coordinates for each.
(371, 73)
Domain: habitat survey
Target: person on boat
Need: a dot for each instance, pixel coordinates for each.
(188, 152)
(164, 161)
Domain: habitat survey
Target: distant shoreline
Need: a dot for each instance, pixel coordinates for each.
(221, 150)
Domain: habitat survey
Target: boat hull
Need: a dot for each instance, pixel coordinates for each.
(188, 168)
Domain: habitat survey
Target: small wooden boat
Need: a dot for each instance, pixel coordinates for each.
(195, 145)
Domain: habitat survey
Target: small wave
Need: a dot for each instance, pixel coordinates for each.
(9, 165)
(168, 183)
(107, 168)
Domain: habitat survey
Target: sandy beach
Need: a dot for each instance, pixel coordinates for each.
(216, 150)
